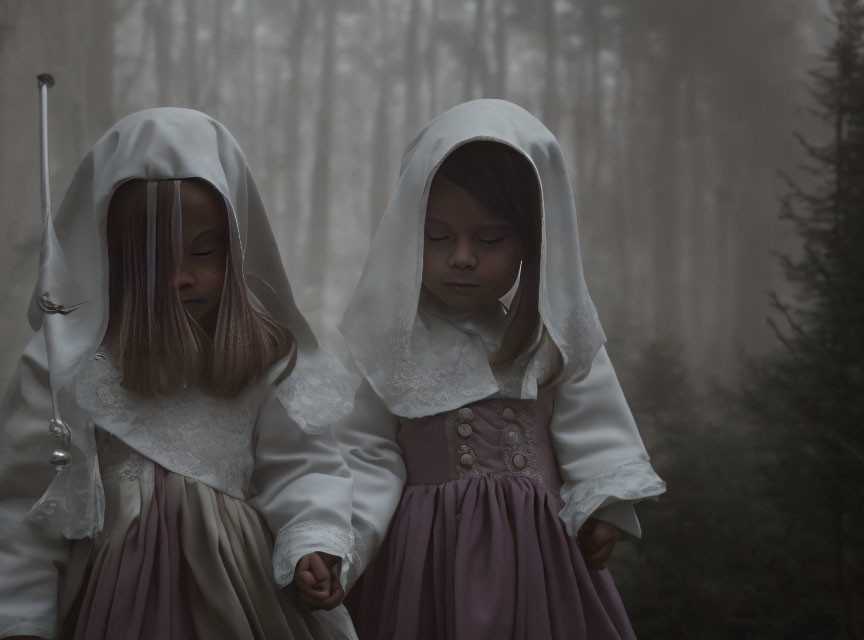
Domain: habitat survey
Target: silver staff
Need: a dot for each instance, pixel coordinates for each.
(57, 428)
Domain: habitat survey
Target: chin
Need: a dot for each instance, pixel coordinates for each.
(464, 304)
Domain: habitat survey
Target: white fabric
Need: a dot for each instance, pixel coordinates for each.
(367, 437)
(420, 358)
(600, 453)
(420, 371)
(152, 144)
(290, 474)
(603, 462)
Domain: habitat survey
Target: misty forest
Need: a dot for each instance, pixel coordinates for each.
(717, 158)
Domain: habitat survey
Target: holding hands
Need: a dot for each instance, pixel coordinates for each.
(596, 540)
(317, 579)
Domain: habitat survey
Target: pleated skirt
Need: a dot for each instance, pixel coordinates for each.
(177, 560)
(484, 557)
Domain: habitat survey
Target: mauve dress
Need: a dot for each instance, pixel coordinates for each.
(476, 549)
(176, 560)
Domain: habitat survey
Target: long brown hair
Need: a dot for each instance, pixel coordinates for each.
(158, 346)
(504, 181)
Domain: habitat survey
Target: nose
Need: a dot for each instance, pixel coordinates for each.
(462, 256)
(184, 278)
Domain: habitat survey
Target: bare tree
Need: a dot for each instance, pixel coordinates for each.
(379, 185)
(476, 68)
(412, 72)
(500, 87)
(550, 85)
(315, 265)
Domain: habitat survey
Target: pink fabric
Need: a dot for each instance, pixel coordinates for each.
(481, 552)
(144, 577)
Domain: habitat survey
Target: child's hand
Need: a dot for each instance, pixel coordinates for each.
(597, 539)
(317, 579)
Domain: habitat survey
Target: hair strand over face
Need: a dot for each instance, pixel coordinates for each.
(160, 348)
(504, 181)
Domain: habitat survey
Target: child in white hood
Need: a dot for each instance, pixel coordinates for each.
(198, 476)
(521, 459)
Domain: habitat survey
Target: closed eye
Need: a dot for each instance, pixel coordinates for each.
(491, 240)
(437, 238)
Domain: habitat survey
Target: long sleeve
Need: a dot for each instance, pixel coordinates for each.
(29, 560)
(367, 437)
(600, 453)
(302, 487)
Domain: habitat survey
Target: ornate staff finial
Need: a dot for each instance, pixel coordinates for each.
(57, 427)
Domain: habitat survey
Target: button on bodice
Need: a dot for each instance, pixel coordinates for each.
(494, 436)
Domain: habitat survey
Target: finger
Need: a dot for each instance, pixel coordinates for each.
(311, 590)
(334, 600)
(335, 571)
(602, 554)
(304, 578)
(302, 573)
(320, 571)
(605, 532)
(312, 597)
(588, 527)
(319, 600)
(303, 562)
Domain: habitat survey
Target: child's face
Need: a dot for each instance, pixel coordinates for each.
(205, 249)
(471, 257)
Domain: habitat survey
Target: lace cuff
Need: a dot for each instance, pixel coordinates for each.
(318, 392)
(295, 541)
(633, 481)
(44, 628)
(366, 542)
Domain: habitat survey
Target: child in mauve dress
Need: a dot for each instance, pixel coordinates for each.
(205, 495)
(487, 390)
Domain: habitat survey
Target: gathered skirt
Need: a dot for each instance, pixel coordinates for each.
(176, 560)
(484, 557)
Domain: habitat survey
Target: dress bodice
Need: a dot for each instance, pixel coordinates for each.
(491, 436)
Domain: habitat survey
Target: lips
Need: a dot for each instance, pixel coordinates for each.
(465, 285)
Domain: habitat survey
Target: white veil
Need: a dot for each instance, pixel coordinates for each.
(421, 367)
(155, 144)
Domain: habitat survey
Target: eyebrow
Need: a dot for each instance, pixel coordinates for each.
(205, 235)
(486, 227)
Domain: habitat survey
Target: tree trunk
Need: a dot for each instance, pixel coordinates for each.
(475, 57)
(292, 124)
(315, 262)
(379, 179)
(99, 68)
(432, 62)
(190, 57)
(411, 121)
(500, 89)
(550, 85)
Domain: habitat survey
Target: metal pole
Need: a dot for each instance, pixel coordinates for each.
(46, 81)
(57, 427)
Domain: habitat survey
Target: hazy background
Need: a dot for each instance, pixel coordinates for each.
(675, 117)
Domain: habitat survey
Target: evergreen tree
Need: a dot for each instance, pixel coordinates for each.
(811, 393)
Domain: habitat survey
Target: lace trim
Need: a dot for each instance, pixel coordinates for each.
(318, 392)
(427, 363)
(122, 463)
(190, 432)
(295, 541)
(44, 628)
(632, 481)
(366, 542)
(73, 505)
